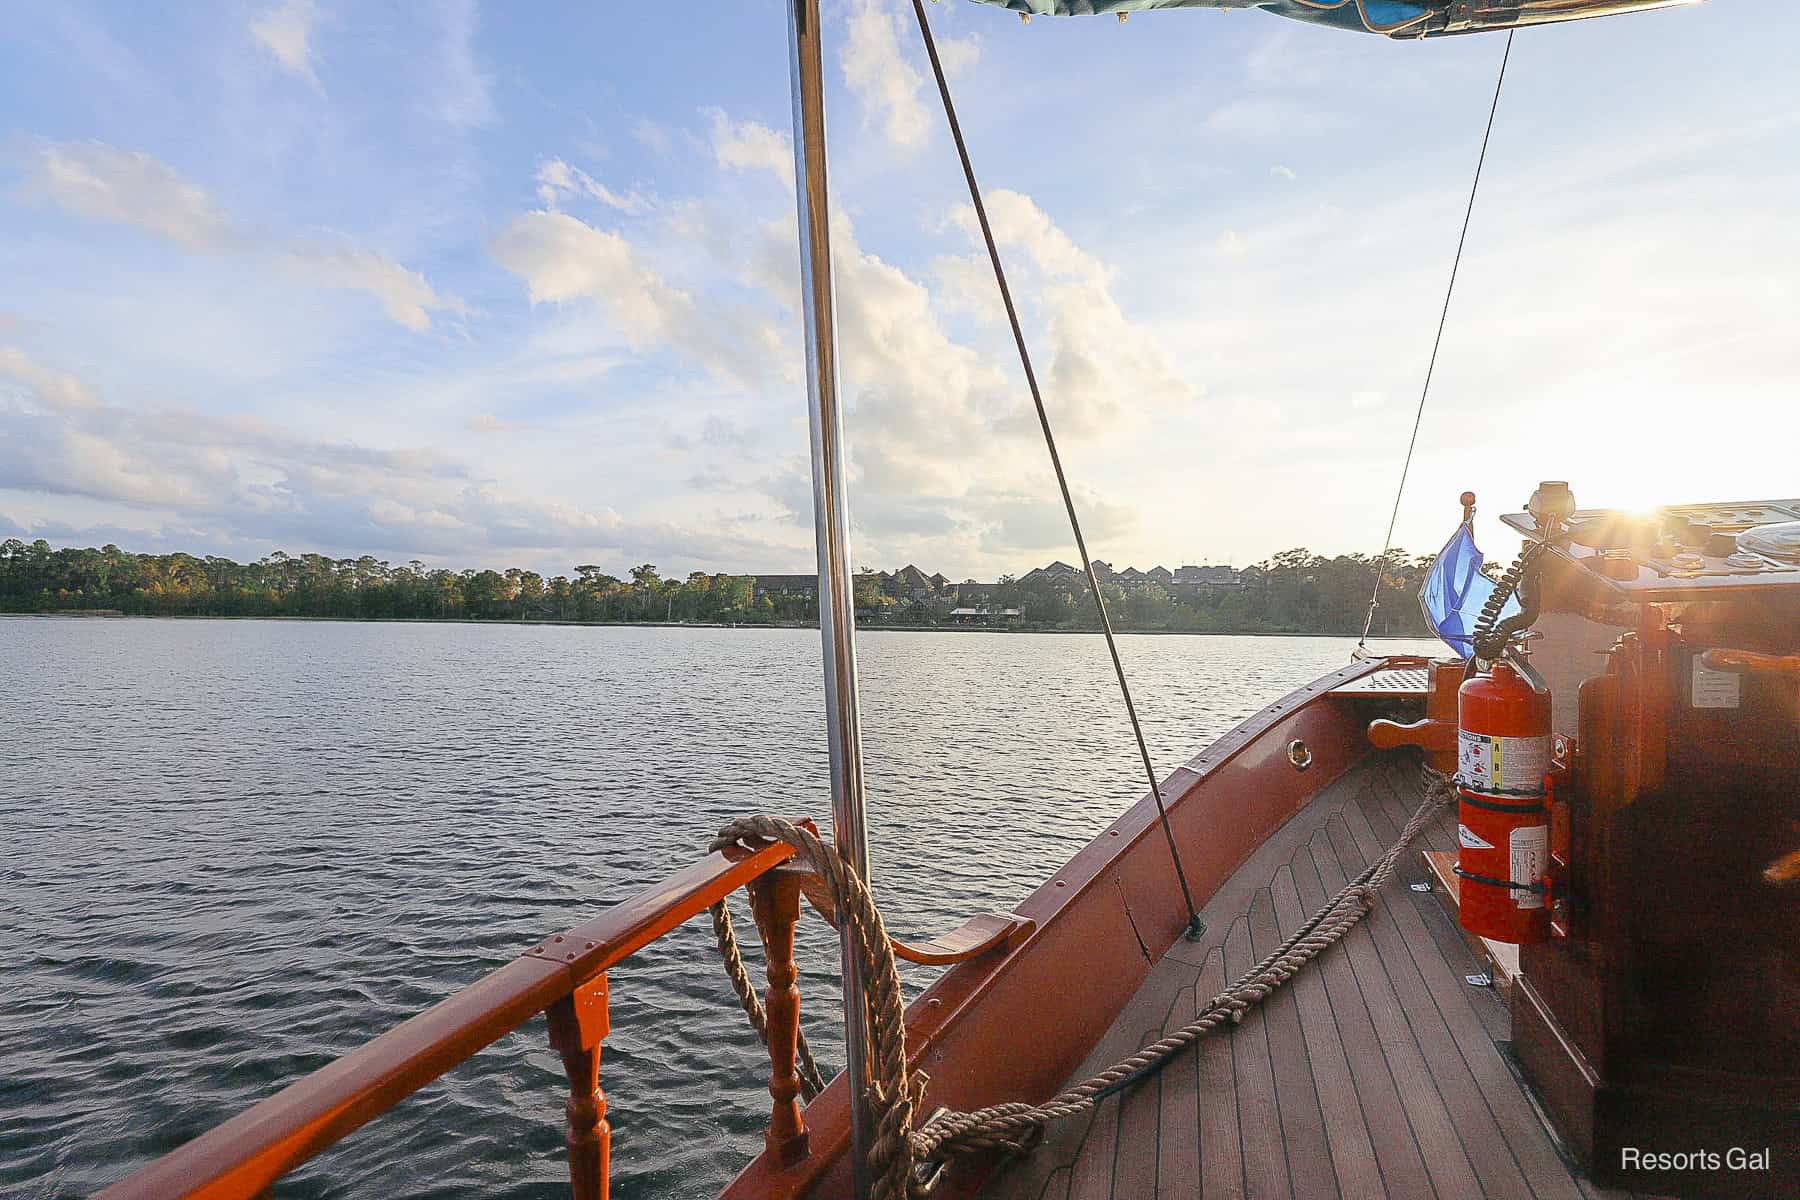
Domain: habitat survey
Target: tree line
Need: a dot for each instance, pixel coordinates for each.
(1295, 591)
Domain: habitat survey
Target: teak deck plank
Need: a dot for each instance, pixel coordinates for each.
(1464, 1107)
(1178, 1117)
(1259, 1118)
(1377, 1072)
(1447, 1167)
(1221, 1145)
(1396, 1150)
(1346, 1133)
(1134, 1172)
(1302, 1124)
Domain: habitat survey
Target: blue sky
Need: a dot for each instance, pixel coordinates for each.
(502, 284)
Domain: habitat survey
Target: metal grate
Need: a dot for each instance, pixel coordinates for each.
(1388, 681)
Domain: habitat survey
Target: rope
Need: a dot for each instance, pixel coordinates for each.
(811, 1082)
(896, 1094)
(893, 1092)
(1016, 1126)
(1062, 481)
(1387, 543)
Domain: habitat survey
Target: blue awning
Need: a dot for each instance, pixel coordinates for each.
(1396, 18)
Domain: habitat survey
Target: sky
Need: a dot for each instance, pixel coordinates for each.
(489, 285)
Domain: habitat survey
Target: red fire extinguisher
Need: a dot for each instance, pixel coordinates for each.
(1503, 831)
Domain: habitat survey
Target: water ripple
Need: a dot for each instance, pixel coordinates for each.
(230, 851)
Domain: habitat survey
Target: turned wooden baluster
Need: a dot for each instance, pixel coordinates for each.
(775, 901)
(578, 1024)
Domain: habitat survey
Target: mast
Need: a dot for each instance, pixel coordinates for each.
(831, 532)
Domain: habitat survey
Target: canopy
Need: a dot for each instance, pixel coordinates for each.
(1396, 18)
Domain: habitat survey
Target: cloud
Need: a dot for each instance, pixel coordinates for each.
(885, 84)
(179, 479)
(404, 294)
(750, 145)
(959, 54)
(1262, 118)
(52, 387)
(1106, 372)
(564, 260)
(285, 31)
(556, 179)
(465, 98)
(1281, 172)
(933, 421)
(652, 136)
(489, 423)
(122, 187)
(715, 432)
(1035, 522)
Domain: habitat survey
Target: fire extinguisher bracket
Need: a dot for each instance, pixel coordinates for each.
(1536, 888)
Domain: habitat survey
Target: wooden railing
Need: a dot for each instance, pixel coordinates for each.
(564, 976)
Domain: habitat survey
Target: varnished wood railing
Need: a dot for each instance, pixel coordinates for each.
(564, 976)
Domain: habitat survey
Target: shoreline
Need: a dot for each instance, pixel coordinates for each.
(115, 615)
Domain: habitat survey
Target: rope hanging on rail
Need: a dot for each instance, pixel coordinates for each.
(1062, 480)
(1387, 541)
(811, 1081)
(898, 1093)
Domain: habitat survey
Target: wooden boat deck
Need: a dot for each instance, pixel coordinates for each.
(1377, 1072)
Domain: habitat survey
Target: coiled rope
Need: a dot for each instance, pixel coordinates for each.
(897, 1093)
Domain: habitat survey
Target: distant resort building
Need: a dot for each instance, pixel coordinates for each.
(786, 585)
(973, 602)
(1206, 579)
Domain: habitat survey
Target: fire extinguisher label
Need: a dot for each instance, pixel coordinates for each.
(1502, 764)
(1468, 839)
(1529, 848)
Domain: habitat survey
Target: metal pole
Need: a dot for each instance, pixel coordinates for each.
(831, 532)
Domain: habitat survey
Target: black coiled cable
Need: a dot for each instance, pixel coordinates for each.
(1491, 633)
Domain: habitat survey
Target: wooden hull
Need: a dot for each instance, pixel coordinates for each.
(1013, 1025)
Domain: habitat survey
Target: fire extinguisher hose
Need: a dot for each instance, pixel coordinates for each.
(1491, 633)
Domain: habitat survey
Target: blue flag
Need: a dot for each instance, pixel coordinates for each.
(1454, 591)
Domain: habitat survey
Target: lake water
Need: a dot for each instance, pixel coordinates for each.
(231, 850)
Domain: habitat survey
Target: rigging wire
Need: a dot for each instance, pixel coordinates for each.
(1062, 481)
(1387, 543)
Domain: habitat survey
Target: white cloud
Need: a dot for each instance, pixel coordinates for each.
(1262, 118)
(52, 387)
(404, 294)
(104, 183)
(465, 98)
(1106, 372)
(751, 145)
(884, 82)
(1281, 172)
(237, 480)
(565, 260)
(489, 423)
(556, 179)
(286, 32)
(934, 422)
(959, 54)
